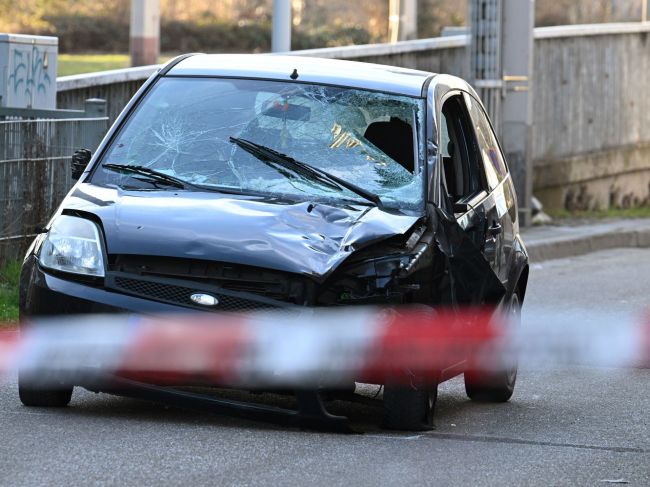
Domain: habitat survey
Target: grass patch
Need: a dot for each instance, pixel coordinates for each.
(9, 277)
(69, 64)
(642, 212)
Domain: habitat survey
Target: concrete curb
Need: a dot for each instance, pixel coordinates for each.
(562, 242)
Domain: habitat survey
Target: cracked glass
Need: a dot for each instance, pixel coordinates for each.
(183, 128)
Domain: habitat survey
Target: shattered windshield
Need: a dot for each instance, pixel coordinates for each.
(186, 126)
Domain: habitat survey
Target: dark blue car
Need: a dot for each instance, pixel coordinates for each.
(242, 182)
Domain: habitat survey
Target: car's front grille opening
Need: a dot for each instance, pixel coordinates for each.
(180, 295)
(200, 274)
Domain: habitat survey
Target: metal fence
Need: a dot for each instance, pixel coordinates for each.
(36, 148)
(486, 69)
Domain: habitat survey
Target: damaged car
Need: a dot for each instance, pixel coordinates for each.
(238, 183)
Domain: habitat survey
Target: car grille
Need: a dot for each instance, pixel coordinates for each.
(180, 295)
(233, 279)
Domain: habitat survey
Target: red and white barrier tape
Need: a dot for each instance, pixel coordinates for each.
(324, 347)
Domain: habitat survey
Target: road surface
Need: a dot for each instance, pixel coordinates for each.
(564, 426)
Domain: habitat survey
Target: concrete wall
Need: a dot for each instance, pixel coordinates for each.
(591, 141)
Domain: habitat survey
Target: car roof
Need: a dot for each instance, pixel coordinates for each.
(336, 72)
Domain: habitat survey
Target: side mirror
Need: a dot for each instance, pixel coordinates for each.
(80, 160)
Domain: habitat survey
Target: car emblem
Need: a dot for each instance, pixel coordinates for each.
(204, 299)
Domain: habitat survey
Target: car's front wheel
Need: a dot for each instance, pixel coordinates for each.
(33, 394)
(495, 385)
(409, 408)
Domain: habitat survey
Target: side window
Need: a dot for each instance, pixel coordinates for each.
(461, 160)
(495, 166)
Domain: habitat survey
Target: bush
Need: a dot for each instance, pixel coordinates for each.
(88, 33)
(330, 36)
(214, 36)
(103, 34)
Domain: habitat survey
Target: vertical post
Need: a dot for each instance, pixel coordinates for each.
(644, 10)
(402, 20)
(281, 41)
(145, 32)
(408, 19)
(501, 70)
(92, 132)
(94, 108)
(517, 106)
(393, 20)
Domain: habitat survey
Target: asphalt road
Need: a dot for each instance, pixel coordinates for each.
(564, 426)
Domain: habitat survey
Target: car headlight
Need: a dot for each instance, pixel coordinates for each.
(73, 245)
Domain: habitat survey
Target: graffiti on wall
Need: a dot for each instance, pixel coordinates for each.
(29, 73)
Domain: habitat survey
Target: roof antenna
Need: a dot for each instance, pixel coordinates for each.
(294, 75)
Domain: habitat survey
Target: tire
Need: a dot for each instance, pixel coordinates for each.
(495, 386)
(409, 408)
(31, 394)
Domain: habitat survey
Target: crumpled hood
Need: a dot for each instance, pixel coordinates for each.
(306, 238)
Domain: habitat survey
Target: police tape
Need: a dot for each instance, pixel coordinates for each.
(324, 347)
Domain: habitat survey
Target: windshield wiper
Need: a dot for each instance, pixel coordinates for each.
(155, 176)
(268, 155)
(158, 177)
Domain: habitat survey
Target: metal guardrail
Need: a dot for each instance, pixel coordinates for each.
(36, 148)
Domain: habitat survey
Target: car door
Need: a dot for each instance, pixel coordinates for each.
(503, 210)
(470, 234)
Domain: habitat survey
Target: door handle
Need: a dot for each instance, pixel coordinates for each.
(495, 229)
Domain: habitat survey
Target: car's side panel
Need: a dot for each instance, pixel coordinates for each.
(503, 250)
(471, 277)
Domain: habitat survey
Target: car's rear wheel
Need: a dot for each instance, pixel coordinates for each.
(495, 385)
(33, 394)
(409, 408)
